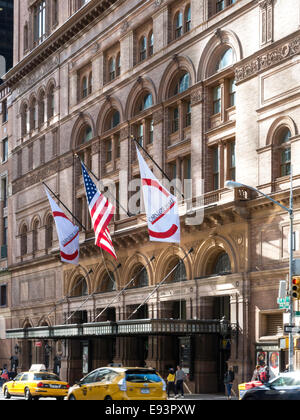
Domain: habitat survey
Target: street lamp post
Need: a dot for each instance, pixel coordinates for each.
(232, 185)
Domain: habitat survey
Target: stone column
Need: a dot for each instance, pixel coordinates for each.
(197, 141)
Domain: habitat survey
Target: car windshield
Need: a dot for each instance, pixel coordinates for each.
(142, 376)
(45, 377)
(286, 381)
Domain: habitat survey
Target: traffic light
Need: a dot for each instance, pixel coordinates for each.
(296, 288)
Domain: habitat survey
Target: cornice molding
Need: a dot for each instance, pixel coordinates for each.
(57, 39)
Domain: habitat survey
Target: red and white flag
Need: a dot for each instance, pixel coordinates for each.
(67, 233)
(101, 212)
(161, 207)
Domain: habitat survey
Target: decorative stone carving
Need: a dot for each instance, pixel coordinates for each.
(197, 96)
(254, 66)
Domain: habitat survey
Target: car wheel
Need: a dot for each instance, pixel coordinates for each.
(7, 395)
(108, 398)
(72, 398)
(28, 396)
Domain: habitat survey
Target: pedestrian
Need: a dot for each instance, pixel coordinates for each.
(255, 376)
(4, 376)
(228, 381)
(179, 379)
(171, 382)
(264, 374)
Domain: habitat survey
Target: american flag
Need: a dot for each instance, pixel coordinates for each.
(101, 212)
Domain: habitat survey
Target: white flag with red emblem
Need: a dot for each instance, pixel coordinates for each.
(67, 232)
(161, 207)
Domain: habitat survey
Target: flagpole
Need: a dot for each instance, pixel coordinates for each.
(78, 221)
(124, 288)
(114, 198)
(159, 284)
(156, 164)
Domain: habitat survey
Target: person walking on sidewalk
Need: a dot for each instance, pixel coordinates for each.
(228, 381)
(179, 379)
(171, 382)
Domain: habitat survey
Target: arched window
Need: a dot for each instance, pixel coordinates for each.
(178, 25)
(25, 120)
(150, 43)
(24, 232)
(222, 264)
(147, 101)
(80, 288)
(142, 279)
(179, 274)
(35, 233)
(90, 85)
(118, 60)
(183, 83)
(115, 119)
(51, 102)
(284, 137)
(143, 48)
(84, 87)
(112, 68)
(49, 232)
(188, 18)
(86, 134)
(226, 59)
(41, 108)
(108, 283)
(33, 114)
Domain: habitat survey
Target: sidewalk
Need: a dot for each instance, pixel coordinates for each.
(207, 397)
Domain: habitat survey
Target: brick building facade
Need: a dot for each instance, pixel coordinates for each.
(211, 90)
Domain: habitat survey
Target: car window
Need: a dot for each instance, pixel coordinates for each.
(283, 381)
(297, 382)
(25, 377)
(18, 377)
(102, 375)
(45, 377)
(142, 376)
(90, 378)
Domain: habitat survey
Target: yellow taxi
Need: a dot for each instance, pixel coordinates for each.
(36, 384)
(120, 383)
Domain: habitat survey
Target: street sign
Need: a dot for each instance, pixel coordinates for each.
(284, 303)
(291, 329)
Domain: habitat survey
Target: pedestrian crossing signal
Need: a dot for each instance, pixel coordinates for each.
(296, 288)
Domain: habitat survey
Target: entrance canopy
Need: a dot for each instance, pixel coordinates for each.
(123, 328)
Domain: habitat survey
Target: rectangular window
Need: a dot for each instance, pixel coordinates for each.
(232, 161)
(285, 168)
(4, 150)
(220, 5)
(175, 122)
(108, 151)
(5, 227)
(188, 117)
(4, 111)
(140, 136)
(151, 131)
(215, 168)
(232, 92)
(3, 295)
(4, 191)
(217, 99)
(40, 22)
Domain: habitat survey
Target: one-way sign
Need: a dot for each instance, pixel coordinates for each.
(291, 329)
